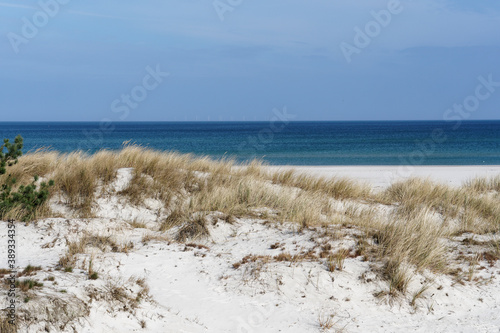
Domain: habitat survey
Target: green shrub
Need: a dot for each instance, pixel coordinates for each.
(27, 198)
(14, 150)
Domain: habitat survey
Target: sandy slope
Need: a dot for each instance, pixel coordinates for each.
(197, 289)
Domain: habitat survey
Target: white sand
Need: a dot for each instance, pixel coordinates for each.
(381, 176)
(199, 290)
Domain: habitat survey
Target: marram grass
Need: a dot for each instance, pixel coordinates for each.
(409, 222)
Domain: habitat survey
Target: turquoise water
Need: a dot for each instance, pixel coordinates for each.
(294, 143)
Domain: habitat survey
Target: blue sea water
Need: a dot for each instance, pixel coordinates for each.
(294, 143)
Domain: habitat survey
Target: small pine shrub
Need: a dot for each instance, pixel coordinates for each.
(27, 198)
(14, 150)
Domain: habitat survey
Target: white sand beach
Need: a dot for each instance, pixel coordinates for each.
(197, 286)
(382, 176)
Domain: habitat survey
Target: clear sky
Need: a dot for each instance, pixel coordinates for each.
(239, 59)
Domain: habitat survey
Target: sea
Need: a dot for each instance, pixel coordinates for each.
(280, 143)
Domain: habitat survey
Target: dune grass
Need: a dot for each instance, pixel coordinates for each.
(483, 185)
(337, 188)
(409, 234)
(6, 326)
(475, 212)
(417, 243)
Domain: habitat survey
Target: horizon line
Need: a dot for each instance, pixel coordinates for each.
(238, 121)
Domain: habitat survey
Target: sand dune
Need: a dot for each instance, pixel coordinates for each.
(247, 268)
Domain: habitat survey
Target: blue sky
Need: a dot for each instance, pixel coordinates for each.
(87, 56)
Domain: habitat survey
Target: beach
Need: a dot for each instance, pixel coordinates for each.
(380, 177)
(235, 166)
